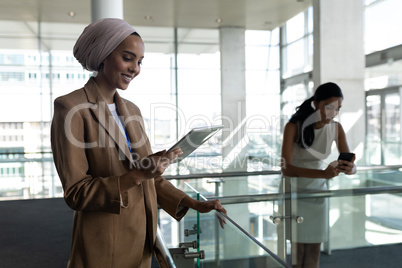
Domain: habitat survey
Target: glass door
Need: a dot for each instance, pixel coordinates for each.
(383, 143)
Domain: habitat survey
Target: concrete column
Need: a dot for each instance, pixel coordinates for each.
(101, 9)
(339, 57)
(233, 86)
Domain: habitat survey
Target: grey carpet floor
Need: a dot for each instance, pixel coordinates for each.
(37, 234)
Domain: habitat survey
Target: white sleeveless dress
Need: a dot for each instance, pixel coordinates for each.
(314, 211)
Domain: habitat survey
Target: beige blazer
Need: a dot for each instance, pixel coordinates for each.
(90, 153)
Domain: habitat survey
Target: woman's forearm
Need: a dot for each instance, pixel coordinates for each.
(131, 179)
(187, 201)
(293, 171)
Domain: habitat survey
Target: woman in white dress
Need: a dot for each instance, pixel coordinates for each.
(307, 141)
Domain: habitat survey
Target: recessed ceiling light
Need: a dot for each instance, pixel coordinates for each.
(71, 13)
(218, 20)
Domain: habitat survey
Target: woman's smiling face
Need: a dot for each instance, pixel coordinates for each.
(123, 64)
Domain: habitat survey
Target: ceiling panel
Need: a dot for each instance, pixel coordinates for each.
(250, 14)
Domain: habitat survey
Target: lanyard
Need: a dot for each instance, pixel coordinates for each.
(127, 139)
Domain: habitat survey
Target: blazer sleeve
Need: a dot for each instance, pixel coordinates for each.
(81, 190)
(169, 198)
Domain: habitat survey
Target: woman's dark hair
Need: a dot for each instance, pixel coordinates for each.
(306, 111)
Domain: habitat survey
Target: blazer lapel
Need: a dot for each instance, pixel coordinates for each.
(133, 123)
(105, 118)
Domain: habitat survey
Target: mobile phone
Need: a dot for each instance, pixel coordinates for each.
(346, 156)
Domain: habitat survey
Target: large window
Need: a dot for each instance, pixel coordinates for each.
(297, 62)
(153, 91)
(382, 35)
(179, 66)
(297, 44)
(263, 98)
(382, 24)
(383, 82)
(199, 94)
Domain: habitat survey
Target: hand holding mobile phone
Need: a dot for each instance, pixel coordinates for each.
(346, 156)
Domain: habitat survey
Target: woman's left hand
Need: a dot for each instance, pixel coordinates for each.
(346, 167)
(207, 206)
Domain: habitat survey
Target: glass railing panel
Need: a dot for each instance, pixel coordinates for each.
(256, 218)
(267, 182)
(237, 185)
(365, 220)
(367, 177)
(175, 232)
(249, 239)
(358, 211)
(231, 247)
(363, 209)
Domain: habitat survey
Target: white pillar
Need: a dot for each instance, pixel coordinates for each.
(339, 57)
(101, 9)
(233, 90)
(233, 86)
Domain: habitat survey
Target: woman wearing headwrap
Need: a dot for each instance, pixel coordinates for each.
(110, 177)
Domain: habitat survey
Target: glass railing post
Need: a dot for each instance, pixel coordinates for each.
(198, 232)
(290, 231)
(327, 243)
(281, 224)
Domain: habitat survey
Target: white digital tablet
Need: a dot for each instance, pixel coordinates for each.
(194, 139)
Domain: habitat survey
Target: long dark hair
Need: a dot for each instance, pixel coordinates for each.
(306, 111)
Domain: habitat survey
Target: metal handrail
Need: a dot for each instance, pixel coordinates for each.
(238, 199)
(163, 255)
(262, 172)
(221, 175)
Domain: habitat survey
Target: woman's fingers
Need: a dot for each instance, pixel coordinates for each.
(345, 166)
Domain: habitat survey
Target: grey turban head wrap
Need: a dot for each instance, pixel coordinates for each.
(98, 40)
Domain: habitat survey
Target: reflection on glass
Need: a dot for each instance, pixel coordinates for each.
(392, 118)
(383, 146)
(373, 104)
(383, 75)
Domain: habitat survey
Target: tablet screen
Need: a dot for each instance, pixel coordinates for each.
(194, 139)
